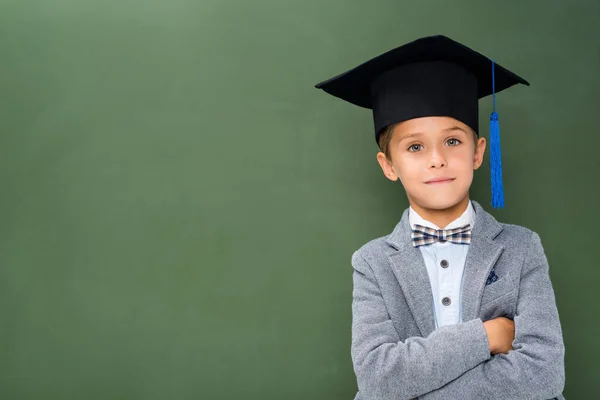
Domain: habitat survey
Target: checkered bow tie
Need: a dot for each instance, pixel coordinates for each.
(422, 235)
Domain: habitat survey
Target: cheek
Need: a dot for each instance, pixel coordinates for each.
(463, 159)
(408, 171)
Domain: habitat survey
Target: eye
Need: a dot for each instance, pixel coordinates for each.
(453, 142)
(414, 148)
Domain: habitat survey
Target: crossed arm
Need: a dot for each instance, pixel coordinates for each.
(454, 361)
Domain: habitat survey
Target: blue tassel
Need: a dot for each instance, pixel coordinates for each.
(495, 153)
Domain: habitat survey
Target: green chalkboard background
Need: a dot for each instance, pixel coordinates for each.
(179, 205)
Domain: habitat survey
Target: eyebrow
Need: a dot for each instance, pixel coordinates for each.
(454, 128)
(451, 129)
(411, 135)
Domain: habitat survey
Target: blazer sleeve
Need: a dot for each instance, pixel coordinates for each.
(388, 368)
(534, 369)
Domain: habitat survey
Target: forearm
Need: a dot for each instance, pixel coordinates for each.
(516, 375)
(401, 370)
(387, 367)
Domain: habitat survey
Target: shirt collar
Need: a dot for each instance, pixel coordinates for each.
(464, 219)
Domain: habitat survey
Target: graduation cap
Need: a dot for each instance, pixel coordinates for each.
(431, 76)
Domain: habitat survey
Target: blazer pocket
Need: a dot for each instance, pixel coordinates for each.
(503, 286)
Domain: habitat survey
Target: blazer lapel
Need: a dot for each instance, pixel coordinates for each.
(481, 257)
(409, 268)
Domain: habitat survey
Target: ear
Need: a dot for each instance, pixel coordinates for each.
(479, 150)
(387, 167)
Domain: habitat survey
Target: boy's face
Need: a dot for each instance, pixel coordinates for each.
(434, 158)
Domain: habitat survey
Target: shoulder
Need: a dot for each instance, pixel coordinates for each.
(517, 232)
(508, 234)
(517, 235)
(373, 253)
(522, 246)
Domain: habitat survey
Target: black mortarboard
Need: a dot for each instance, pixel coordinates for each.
(431, 76)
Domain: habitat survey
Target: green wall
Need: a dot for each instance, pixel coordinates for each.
(179, 205)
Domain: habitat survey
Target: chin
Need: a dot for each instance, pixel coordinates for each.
(441, 203)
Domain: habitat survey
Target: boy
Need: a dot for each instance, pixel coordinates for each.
(452, 304)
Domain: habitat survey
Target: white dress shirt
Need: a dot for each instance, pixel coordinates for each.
(445, 264)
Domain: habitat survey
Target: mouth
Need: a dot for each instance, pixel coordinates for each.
(439, 180)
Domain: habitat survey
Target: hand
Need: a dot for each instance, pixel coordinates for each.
(501, 334)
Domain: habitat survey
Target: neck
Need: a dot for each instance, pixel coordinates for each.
(441, 217)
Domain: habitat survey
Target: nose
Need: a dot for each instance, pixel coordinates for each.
(437, 159)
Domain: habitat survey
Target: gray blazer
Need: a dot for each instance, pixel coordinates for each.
(398, 354)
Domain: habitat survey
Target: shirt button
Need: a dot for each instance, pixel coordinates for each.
(444, 264)
(446, 301)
